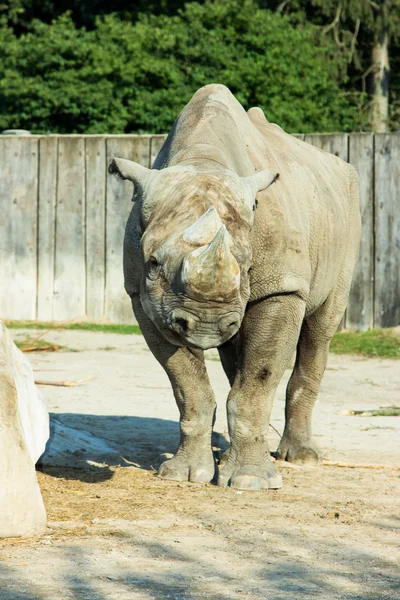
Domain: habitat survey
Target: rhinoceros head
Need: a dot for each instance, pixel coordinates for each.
(195, 247)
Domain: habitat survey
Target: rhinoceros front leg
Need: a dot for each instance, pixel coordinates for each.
(270, 332)
(187, 373)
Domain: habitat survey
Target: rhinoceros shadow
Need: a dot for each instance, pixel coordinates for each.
(83, 442)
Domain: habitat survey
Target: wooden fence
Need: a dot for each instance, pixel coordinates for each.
(62, 223)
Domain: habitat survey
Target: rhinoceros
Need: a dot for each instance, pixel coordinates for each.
(241, 238)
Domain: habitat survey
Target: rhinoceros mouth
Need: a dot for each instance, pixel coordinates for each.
(181, 328)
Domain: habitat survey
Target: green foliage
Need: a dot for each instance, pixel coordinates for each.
(97, 327)
(383, 343)
(374, 343)
(131, 77)
(20, 13)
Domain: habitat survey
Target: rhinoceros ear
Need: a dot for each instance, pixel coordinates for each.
(258, 182)
(126, 169)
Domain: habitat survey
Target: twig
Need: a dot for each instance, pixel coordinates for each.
(335, 20)
(52, 347)
(364, 76)
(290, 465)
(129, 462)
(65, 383)
(374, 5)
(337, 40)
(281, 6)
(33, 348)
(353, 40)
(39, 336)
(373, 412)
(276, 431)
(330, 463)
(62, 324)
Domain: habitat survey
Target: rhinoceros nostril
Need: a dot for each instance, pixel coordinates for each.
(228, 325)
(182, 323)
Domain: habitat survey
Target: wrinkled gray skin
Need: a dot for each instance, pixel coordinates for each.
(206, 265)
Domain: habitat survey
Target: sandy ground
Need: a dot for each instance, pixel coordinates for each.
(120, 532)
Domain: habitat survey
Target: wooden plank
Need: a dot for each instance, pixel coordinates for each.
(70, 269)
(118, 206)
(48, 151)
(360, 310)
(387, 230)
(335, 143)
(156, 144)
(95, 226)
(18, 227)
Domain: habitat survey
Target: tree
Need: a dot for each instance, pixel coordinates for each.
(19, 14)
(379, 21)
(387, 26)
(364, 30)
(122, 76)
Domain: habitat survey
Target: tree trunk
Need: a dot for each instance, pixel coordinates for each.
(380, 84)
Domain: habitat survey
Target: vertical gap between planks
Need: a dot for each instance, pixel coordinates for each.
(54, 233)
(150, 150)
(84, 223)
(37, 228)
(373, 231)
(105, 227)
(347, 138)
(105, 224)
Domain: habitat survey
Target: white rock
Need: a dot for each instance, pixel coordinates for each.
(24, 431)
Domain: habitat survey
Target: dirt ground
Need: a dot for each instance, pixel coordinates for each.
(122, 533)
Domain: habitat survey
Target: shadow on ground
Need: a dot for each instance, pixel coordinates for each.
(272, 563)
(96, 442)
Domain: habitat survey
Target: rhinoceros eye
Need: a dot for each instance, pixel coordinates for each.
(153, 268)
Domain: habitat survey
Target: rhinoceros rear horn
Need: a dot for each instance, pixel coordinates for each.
(127, 169)
(204, 229)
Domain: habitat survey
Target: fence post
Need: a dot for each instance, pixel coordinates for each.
(69, 300)
(18, 226)
(387, 229)
(95, 169)
(360, 309)
(48, 160)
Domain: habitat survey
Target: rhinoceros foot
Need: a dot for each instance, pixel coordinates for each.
(257, 477)
(298, 451)
(183, 467)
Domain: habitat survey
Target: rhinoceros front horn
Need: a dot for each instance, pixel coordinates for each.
(211, 272)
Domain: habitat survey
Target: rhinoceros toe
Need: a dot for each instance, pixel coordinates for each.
(252, 478)
(298, 452)
(180, 469)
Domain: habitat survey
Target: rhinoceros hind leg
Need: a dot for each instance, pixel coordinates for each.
(263, 477)
(297, 445)
(299, 453)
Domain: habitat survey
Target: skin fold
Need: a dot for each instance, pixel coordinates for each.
(242, 238)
